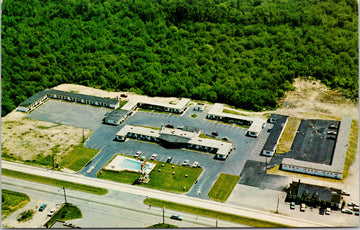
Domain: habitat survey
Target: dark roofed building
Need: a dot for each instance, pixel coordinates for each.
(313, 195)
(40, 97)
(115, 117)
(33, 101)
(271, 143)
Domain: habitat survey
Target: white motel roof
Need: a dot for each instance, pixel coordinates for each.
(178, 132)
(138, 130)
(133, 102)
(223, 147)
(255, 126)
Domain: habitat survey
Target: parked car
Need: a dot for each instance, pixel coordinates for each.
(302, 207)
(332, 132)
(153, 157)
(195, 165)
(292, 205)
(321, 211)
(42, 207)
(332, 126)
(169, 126)
(175, 217)
(347, 210)
(186, 163)
(138, 154)
(356, 213)
(327, 212)
(168, 160)
(143, 158)
(214, 133)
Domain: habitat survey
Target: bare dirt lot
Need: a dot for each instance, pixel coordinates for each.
(23, 138)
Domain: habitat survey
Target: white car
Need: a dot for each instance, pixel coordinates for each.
(153, 157)
(327, 211)
(137, 154)
(196, 164)
(185, 163)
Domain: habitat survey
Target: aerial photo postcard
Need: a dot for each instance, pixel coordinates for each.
(197, 114)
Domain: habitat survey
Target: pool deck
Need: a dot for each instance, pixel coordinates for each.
(114, 165)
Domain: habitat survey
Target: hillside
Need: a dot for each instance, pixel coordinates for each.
(244, 53)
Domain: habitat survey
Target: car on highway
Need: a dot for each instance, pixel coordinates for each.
(214, 133)
(186, 163)
(169, 126)
(292, 205)
(321, 211)
(302, 207)
(225, 139)
(195, 165)
(180, 127)
(42, 207)
(138, 154)
(327, 211)
(153, 157)
(168, 160)
(175, 217)
(52, 212)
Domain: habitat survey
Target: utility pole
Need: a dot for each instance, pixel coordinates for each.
(83, 136)
(216, 224)
(163, 214)
(277, 208)
(52, 156)
(65, 195)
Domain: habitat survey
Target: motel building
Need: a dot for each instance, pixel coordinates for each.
(147, 103)
(41, 97)
(176, 138)
(256, 124)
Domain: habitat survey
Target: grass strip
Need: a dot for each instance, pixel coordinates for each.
(54, 182)
(223, 187)
(67, 212)
(12, 201)
(161, 225)
(77, 158)
(212, 214)
(352, 147)
(288, 135)
(234, 112)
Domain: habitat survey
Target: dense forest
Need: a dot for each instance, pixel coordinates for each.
(244, 53)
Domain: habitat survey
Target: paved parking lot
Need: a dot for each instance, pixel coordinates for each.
(72, 114)
(311, 142)
(245, 148)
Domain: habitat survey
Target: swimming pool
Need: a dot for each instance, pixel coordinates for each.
(132, 165)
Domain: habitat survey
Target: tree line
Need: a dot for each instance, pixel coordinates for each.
(244, 53)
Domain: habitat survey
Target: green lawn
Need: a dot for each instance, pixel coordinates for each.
(288, 135)
(54, 182)
(233, 112)
(352, 147)
(213, 214)
(12, 201)
(122, 103)
(25, 216)
(163, 180)
(77, 158)
(67, 212)
(223, 187)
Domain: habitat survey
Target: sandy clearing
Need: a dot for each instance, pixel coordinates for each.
(24, 138)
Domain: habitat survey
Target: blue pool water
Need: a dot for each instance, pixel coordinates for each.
(130, 164)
